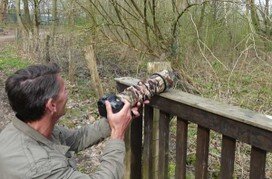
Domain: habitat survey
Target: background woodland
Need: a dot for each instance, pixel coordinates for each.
(220, 49)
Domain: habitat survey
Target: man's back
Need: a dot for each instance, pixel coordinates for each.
(13, 161)
(23, 156)
(25, 153)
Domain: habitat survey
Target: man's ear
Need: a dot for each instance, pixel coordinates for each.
(51, 106)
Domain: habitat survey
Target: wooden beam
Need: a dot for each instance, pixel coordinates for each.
(257, 163)
(181, 148)
(133, 141)
(163, 145)
(227, 157)
(202, 152)
(147, 145)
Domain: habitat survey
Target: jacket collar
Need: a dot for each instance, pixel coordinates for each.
(29, 131)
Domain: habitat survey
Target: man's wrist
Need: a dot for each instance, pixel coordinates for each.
(117, 135)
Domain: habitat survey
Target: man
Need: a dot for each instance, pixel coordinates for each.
(33, 146)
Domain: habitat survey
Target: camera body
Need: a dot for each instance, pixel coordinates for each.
(116, 104)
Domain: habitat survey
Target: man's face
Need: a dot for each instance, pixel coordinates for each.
(61, 99)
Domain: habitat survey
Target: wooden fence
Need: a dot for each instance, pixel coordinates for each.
(234, 123)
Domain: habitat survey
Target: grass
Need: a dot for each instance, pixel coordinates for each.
(10, 61)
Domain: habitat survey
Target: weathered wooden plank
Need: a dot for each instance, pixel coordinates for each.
(147, 145)
(133, 141)
(235, 113)
(163, 145)
(252, 135)
(154, 67)
(244, 125)
(128, 157)
(202, 152)
(227, 157)
(181, 148)
(155, 143)
(257, 163)
(136, 148)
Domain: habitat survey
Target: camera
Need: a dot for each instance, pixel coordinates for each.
(115, 102)
(155, 84)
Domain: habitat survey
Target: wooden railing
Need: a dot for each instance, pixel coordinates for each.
(234, 123)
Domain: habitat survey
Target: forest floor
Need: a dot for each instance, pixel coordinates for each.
(6, 37)
(5, 111)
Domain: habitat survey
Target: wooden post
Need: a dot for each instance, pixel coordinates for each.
(153, 67)
(257, 163)
(181, 148)
(202, 152)
(133, 141)
(147, 143)
(92, 66)
(227, 157)
(164, 122)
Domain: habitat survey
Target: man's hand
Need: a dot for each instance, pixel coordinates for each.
(119, 121)
(135, 110)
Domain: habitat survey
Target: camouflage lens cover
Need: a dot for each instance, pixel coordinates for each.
(155, 84)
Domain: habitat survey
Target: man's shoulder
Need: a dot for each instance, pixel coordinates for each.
(15, 141)
(17, 152)
(21, 155)
(8, 134)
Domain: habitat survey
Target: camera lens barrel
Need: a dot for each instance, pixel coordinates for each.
(155, 84)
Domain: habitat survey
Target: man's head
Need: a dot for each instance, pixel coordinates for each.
(35, 90)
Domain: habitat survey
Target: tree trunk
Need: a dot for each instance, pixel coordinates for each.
(36, 18)
(36, 25)
(72, 65)
(254, 15)
(19, 21)
(92, 65)
(267, 24)
(55, 19)
(47, 49)
(71, 16)
(3, 11)
(201, 20)
(181, 6)
(215, 9)
(266, 18)
(27, 20)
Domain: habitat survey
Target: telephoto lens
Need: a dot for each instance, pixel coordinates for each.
(155, 84)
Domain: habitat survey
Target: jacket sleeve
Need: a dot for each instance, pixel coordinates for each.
(111, 166)
(84, 137)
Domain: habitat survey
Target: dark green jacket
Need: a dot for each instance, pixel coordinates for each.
(25, 153)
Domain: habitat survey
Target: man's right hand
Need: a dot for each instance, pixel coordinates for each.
(119, 122)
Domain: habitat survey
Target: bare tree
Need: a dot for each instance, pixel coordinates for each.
(254, 15)
(22, 26)
(54, 17)
(3, 10)
(26, 19)
(36, 18)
